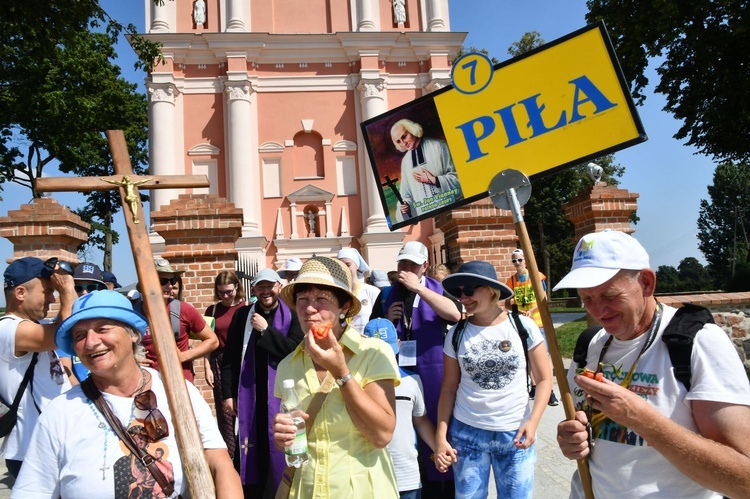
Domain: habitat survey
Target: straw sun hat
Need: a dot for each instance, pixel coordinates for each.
(324, 272)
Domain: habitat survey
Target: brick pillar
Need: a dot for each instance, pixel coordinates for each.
(604, 207)
(479, 231)
(199, 232)
(44, 228)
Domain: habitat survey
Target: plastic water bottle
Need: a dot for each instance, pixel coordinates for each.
(296, 455)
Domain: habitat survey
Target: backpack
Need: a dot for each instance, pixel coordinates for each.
(678, 335)
(517, 325)
(174, 316)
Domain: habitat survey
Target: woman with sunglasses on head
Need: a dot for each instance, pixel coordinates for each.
(230, 294)
(74, 451)
(186, 323)
(485, 418)
(348, 437)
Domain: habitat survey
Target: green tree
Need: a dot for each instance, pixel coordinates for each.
(667, 279)
(59, 92)
(693, 275)
(703, 49)
(723, 221)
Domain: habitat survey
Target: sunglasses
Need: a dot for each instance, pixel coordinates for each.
(168, 280)
(154, 422)
(88, 287)
(519, 260)
(226, 293)
(54, 261)
(466, 290)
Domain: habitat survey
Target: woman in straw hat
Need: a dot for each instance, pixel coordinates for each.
(347, 439)
(74, 451)
(484, 415)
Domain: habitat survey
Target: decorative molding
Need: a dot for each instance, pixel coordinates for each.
(162, 92)
(271, 146)
(437, 84)
(201, 66)
(204, 149)
(310, 194)
(328, 64)
(307, 125)
(238, 90)
(302, 65)
(371, 88)
(279, 65)
(289, 142)
(325, 142)
(344, 145)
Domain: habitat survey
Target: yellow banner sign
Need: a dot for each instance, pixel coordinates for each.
(555, 107)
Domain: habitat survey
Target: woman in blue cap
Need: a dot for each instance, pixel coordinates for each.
(484, 414)
(74, 451)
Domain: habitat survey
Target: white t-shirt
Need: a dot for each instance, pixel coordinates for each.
(492, 394)
(74, 453)
(622, 462)
(367, 294)
(403, 446)
(49, 382)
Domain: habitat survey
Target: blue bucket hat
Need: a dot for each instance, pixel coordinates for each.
(99, 304)
(476, 273)
(25, 269)
(383, 329)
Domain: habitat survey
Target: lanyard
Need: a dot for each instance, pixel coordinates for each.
(599, 418)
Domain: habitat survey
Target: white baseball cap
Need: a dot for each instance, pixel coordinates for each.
(600, 255)
(413, 251)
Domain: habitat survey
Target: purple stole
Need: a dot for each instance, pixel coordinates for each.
(247, 445)
(428, 329)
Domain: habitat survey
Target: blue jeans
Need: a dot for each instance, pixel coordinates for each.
(410, 494)
(478, 450)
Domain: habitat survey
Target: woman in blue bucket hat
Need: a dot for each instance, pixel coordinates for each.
(485, 418)
(74, 451)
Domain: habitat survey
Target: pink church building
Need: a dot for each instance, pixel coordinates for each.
(265, 97)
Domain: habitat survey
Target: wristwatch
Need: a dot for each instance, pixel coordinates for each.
(342, 381)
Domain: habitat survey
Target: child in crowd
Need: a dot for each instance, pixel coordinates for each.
(410, 415)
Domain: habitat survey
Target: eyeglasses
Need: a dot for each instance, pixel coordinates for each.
(519, 260)
(54, 261)
(154, 422)
(168, 280)
(226, 293)
(466, 290)
(88, 287)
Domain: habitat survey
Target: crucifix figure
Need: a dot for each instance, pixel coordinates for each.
(188, 437)
(131, 197)
(391, 182)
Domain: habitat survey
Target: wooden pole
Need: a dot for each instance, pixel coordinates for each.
(503, 193)
(186, 431)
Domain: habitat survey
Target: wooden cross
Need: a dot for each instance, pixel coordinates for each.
(186, 429)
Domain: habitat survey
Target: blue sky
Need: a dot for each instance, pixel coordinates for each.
(669, 177)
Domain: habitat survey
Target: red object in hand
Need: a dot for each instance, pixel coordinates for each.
(320, 330)
(596, 375)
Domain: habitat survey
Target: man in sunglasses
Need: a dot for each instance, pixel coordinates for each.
(187, 323)
(30, 286)
(88, 278)
(525, 299)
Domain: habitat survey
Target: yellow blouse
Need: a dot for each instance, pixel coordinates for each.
(343, 462)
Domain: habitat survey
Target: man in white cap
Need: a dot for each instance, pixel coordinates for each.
(259, 337)
(420, 311)
(651, 434)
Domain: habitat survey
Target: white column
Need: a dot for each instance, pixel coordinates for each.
(244, 175)
(372, 101)
(437, 20)
(159, 17)
(235, 16)
(368, 15)
(161, 144)
(293, 212)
